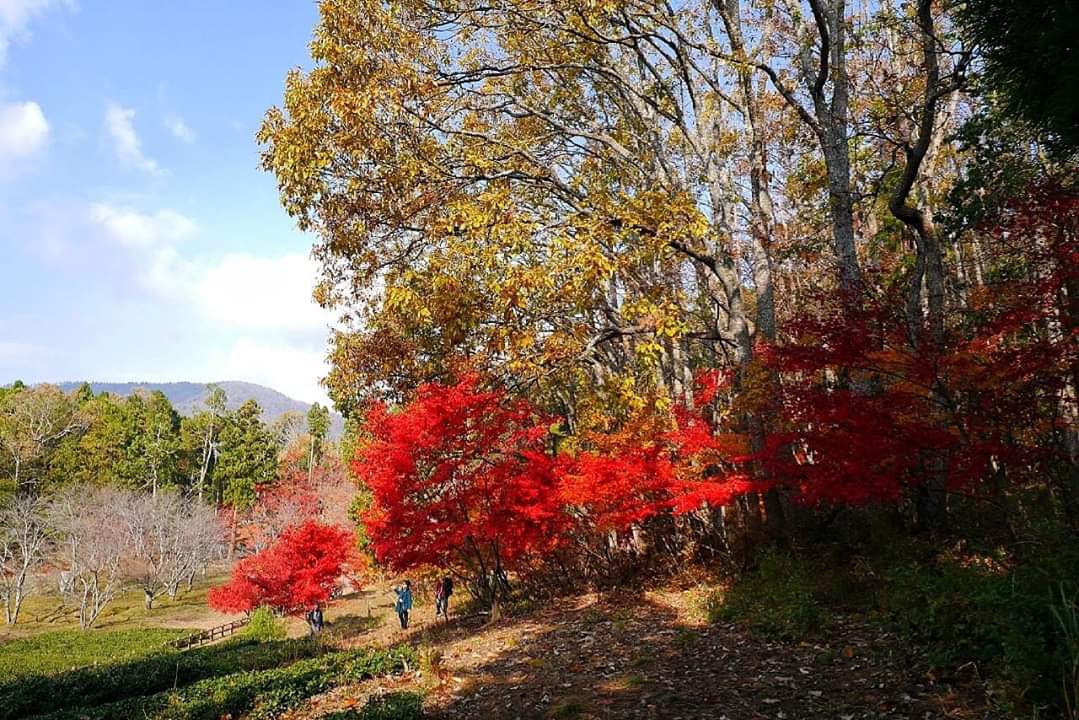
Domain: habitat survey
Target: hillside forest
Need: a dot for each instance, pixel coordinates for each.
(106, 492)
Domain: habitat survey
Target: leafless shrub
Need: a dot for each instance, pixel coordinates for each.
(92, 547)
(24, 537)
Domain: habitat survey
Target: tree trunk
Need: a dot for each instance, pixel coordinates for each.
(762, 222)
(925, 328)
(834, 136)
(232, 536)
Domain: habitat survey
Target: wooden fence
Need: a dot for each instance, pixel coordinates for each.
(208, 636)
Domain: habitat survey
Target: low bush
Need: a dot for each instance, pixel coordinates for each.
(430, 659)
(125, 678)
(1015, 618)
(1002, 621)
(264, 626)
(777, 600)
(255, 695)
(61, 651)
(392, 706)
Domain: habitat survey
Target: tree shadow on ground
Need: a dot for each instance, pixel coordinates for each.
(349, 625)
(637, 656)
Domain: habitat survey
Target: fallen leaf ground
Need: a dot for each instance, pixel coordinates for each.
(651, 655)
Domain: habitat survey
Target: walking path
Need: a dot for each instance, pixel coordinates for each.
(654, 656)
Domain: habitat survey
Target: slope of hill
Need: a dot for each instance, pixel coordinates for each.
(189, 397)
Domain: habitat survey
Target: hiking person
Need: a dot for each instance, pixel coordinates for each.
(443, 590)
(404, 603)
(439, 588)
(315, 620)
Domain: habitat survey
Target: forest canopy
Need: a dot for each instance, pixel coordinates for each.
(826, 212)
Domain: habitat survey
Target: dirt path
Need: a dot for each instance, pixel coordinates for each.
(650, 656)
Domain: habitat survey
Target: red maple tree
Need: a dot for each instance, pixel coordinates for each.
(659, 461)
(460, 478)
(984, 402)
(297, 571)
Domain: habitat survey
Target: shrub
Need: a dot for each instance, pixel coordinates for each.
(167, 668)
(1067, 616)
(264, 626)
(430, 661)
(255, 695)
(392, 706)
(777, 600)
(1015, 617)
(1001, 621)
(65, 650)
(567, 707)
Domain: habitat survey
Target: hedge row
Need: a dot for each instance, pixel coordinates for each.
(128, 678)
(62, 651)
(261, 695)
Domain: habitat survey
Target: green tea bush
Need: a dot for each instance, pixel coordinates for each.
(255, 695)
(167, 668)
(264, 626)
(64, 650)
(778, 600)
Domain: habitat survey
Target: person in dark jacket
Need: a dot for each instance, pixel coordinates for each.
(443, 590)
(315, 620)
(404, 603)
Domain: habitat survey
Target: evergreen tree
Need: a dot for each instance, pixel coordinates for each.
(318, 425)
(247, 458)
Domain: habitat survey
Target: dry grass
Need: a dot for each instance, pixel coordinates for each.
(47, 612)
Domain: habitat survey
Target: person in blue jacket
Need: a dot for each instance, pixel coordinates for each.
(404, 603)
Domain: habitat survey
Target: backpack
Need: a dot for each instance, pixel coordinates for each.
(447, 587)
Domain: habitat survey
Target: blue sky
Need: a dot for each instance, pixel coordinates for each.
(138, 238)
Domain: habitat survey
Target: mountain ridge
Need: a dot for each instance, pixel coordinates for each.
(189, 397)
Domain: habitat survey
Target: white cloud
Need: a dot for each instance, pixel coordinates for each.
(293, 370)
(267, 293)
(235, 291)
(268, 328)
(15, 16)
(179, 129)
(119, 122)
(141, 230)
(23, 129)
(264, 306)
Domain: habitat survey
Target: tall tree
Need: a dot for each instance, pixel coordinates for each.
(160, 441)
(33, 421)
(318, 426)
(92, 548)
(200, 437)
(301, 569)
(1032, 60)
(460, 480)
(247, 458)
(577, 196)
(98, 455)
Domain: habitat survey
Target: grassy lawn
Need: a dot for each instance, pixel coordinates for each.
(45, 613)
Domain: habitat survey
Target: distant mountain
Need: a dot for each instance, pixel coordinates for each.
(188, 397)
